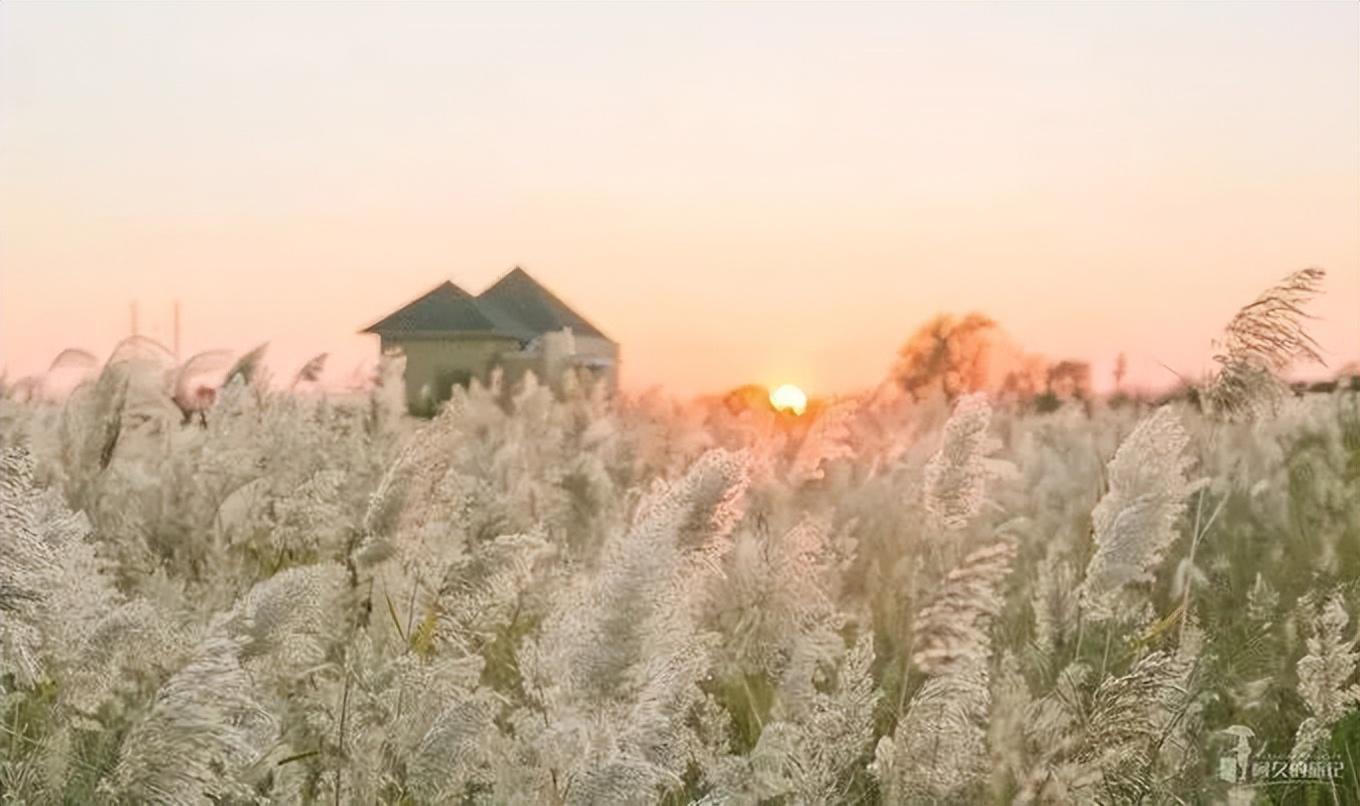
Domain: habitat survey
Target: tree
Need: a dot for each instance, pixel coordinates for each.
(948, 353)
(1070, 380)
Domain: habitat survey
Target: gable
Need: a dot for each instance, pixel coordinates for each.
(518, 300)
(445, 309)
(516, 307)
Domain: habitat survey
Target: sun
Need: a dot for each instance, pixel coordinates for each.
(789, 398)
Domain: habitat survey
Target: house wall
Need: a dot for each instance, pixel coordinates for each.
(596, 347)
(553, 354)
(435, 364)
(551, 358)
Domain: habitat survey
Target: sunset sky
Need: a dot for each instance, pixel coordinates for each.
(735, 192)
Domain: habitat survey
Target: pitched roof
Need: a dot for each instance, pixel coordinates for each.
(445, 308)
(516, 306)
(518, 299)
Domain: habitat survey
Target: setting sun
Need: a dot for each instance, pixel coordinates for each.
(789, 398)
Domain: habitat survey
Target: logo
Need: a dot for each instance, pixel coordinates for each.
(1245, 767)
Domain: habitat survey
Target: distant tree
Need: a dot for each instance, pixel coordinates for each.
(1348, 377)
(948, 353)
(1026, 380)
(1063, 382)
(1120, 396)
(750, 396)
(1070, 380)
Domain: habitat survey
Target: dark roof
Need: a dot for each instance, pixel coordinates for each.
(518, 299)
(445, 308)
(516, 306)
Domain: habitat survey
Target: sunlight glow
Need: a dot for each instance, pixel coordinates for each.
(789, 398)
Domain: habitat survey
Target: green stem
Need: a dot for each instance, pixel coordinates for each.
(344, 711)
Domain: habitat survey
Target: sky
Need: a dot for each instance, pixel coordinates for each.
(735, 192)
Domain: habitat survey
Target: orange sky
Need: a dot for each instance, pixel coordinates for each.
(734, 192)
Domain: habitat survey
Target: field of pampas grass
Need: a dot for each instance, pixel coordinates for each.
(542, 597)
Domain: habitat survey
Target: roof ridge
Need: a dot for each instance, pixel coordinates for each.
(517, 306)
(450, 285)
(436, 310)
(520, 295)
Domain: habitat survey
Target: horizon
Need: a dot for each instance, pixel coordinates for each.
(335, 379)
(734, 195)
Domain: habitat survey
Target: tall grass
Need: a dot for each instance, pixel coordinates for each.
(563, 599)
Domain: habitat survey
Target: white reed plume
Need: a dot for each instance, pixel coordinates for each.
(1134, 522)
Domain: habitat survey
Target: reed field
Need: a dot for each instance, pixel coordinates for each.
(926, 593)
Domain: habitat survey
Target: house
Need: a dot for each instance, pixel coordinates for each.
(450, 337)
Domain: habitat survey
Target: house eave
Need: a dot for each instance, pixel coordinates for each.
(443, 335)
